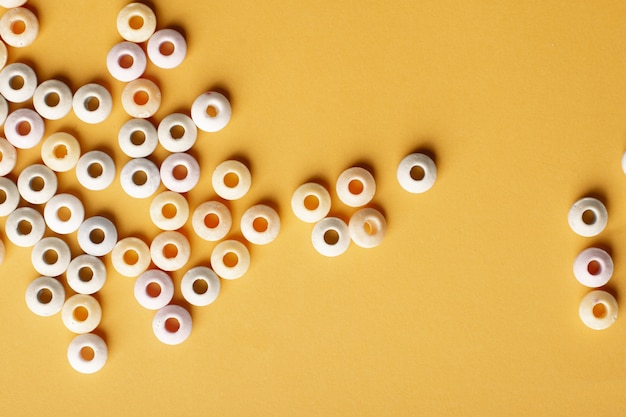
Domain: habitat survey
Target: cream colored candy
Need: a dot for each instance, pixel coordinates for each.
(598, 310)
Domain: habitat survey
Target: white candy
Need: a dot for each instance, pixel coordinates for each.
(598, 310)
(92, 103)
(9, 4)
(8, 157)
(172, 324)
(61, 224)
(130, 257)
(53, 99)
(141, 98)
(86, 274)
(25, 227)
(136, 22)
(138, 138)
(356, 187)
(4, 105)
(211, 221)
(97, 236)
(60, 152)
(51, 256)
(184, 181)
(167, 48)
(11, 196)
(230, 259)
(170, 250)
(367, 227)
(95, 170)
(417, 173)
(126, 61)
(231, 180)
(154, 289)
(91, 362)
(588, 217)
(45, 296)
(200, 286)
(593, 267)
(177, 132)
(219, 105)
(331, 236)
(140, 178)
(37, 184)
(24, 128)
(13, 18)
(260, 224)
(18, 82)
(169, 211)
(81, 313)
(310, 202)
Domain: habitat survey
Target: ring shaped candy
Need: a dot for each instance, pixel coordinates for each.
(97, 236)
(200, 286)
(51, 256)
(81, 313)
(4, 106)
(87, 363)
(92, 103)
(167, 48)
(230, 259)
(310, 202)
(169, 210)
(141, 98)
(126, 61)
(86, 274)
(60, 152)
(231, 180)
(211, 221)
(136, 22)
(19, 27)
(95, 170)
(25, 227)
(154, 289)
(180, 172)
(18, 82)
(130, 256)
(260, 224)
(64, 213)
(53, 99)
(177, 132)
(170, 250)
(356, 187)
(45, 296)
(593, 267)
(367, 228)
(9, 157)
(140, 178)
(24, 128)
(11, 196)
(37, 184)
(137, 138)
(598, 310)
(211, 111)
(331, 236)
(588, 217)
(417, 173)
(172, 324)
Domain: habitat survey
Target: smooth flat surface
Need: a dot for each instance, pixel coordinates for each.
(469, 307)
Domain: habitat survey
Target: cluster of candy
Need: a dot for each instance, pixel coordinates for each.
(140, 177)
(593, 267)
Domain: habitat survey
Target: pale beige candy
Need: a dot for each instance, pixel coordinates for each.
(594, 317)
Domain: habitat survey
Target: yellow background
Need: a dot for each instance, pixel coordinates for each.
(469, 307)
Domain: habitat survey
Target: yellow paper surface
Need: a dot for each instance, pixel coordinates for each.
(469, 307)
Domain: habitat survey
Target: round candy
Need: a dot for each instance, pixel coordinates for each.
(95, 170)
(53, 99)
(126, 61)
(417, 173)
(211, 221)
(170, 250)
(130, 257)
(37, 184)
(8, 157)
(331, 236)
(9, 196)
(167, 48)
(180, 172)
(138, 138)
(356, 187)
(24, 128)
(86, 274)
(60, 152)
(81, 313)
(231, 180)
(211, 111)
(92, 103)
(87, 353)
(154, 289)
(200, 286)
(598, 310)
(45, 296)
(169, 211)
(177, 132)
(260, 224)
(310, 202)
(51, 256)
(367, 227)
(18, 82)
(97, 236)
(172, 324)
(140, 178)
(141, 98)
(136, 22)
(588, 217)
(19, 27)
(64, 213)
(25, 227)
(593, 267)
(230, 259)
